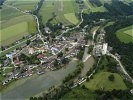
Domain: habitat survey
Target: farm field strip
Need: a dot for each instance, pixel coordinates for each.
(9, 27)
(129, 32)
(58, 8)
(11, 34)
(71, 18)
(125, 34)
(92, 8)
(23, 4)
(6, 15)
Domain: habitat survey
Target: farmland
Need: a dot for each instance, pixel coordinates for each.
(101, 81)
(24, 24)
(71, 18)
(12, 33)
(23, 4)
(59, 11)
(5, 13)
(91, 8)
(126, 34)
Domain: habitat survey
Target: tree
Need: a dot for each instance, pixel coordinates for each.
(28, 42)
(65, 61)
(66, 49)
(111, 77)
(90, 48)
(80, 55)
(56, 63)
(60, 54)
(2, 48)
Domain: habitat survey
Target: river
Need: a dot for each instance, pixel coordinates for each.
(39, 84)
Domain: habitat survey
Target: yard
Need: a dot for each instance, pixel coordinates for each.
(126, 34)
(101, 80)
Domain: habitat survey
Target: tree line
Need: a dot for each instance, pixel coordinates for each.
(125, 50)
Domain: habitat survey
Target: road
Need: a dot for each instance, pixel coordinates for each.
(122, 67)
(69, 29)
(37, 21)
(31, 38)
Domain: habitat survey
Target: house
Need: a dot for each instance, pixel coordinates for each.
(6, 62)
(31, 50)
(9, 55)
(40, 56)
(104, 48)
(16, 60)
(47, 30)
(41, 50)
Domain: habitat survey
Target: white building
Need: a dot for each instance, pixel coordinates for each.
(104, 49)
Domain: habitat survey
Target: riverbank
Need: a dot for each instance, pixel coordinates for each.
(39, 83)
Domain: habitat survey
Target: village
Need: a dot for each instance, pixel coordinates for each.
(38, 57)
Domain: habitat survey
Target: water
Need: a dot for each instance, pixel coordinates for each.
(39, 84)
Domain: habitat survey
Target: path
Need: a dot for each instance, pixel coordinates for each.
(122, 67)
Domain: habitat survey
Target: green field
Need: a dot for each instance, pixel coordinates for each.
(23, 4)
(126, 34)
(101, 80)
(11, 34)
(16, 28)
(60, 8)
(90, 8)
(6, 15)
(71, 18)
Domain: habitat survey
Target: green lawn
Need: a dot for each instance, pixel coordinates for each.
(126, 34)
(79, 93)
(59, 8)
(101, 80)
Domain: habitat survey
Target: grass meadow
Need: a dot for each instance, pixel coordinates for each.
(63, 9)
(93, 8)
(101, 80)
(15, 28)
(126, 34)
(23, 4)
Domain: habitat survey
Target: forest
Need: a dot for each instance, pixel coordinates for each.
(121, 19)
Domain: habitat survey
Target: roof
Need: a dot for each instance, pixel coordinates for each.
(40, 56)
(46, 29)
